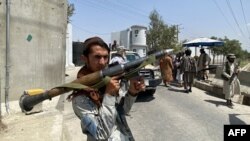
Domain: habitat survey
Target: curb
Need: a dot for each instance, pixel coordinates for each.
(218, 91)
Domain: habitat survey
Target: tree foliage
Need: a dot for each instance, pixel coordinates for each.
(230, 46)
(160, 35)
(70, 11)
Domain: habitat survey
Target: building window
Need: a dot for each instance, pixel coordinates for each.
(136, 31)
(144, 50)
(134, 50)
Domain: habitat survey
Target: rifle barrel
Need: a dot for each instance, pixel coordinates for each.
(117, 69)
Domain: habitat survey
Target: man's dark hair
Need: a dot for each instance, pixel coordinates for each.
(88, 43)
(202, 50)
(188, 52)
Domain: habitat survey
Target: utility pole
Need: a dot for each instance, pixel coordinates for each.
(7, 71)
(178, 31)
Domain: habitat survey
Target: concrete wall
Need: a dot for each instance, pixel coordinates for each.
(218, 59)
(37, 44)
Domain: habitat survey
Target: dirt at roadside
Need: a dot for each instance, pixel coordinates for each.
(246, 67)
(2, 126)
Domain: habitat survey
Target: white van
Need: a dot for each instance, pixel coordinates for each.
(152, 76)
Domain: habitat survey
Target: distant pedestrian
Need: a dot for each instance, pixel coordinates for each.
(203, 63)
(231, 83)
(119, 56)
(114, 45)
(175, 67)
(179, 74)
(166, 66)
(188, 67)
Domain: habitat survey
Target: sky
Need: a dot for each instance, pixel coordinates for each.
(196, 18)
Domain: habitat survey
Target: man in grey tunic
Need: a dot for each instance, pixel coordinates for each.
(231, 83)
(102, 112)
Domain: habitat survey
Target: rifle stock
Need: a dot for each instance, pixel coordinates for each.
(27, 102)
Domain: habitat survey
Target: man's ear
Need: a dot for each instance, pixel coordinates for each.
(84, 58)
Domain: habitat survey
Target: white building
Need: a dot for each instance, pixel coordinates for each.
(133, 38)
(69, 57)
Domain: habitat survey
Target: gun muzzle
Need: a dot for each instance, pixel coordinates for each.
(27, 101)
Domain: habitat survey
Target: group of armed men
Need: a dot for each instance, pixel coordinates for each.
(102, 111)
(183, 68)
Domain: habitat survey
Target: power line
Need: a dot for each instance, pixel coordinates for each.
(139, 10)
(90, 31)
(132, 7)
(231, 10)
(217, 5)
(244, 18)
(121, 13)
(124, 11)
(128, 8)
(100, 8)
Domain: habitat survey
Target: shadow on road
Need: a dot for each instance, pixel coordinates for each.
(162, 85)
(217, 103)
(177, 90)
(215, 95)
(234, 120)
(174, 87)
(175, 84)
(144, 98)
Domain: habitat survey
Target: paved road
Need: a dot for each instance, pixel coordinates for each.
(170, 115)
(174, 115)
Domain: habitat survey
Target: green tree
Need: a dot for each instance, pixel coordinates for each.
(216, 50)
(230, 46)
(70, 11)
(178, 47)
(160, 35)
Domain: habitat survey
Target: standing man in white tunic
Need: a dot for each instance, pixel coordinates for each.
(231, 83)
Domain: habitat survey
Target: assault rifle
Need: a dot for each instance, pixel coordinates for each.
(210, 68)
(32, 97)
(235, 73)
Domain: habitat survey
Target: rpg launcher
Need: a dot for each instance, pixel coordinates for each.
(34, 96)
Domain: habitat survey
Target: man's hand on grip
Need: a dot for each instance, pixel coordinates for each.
(136, 85)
